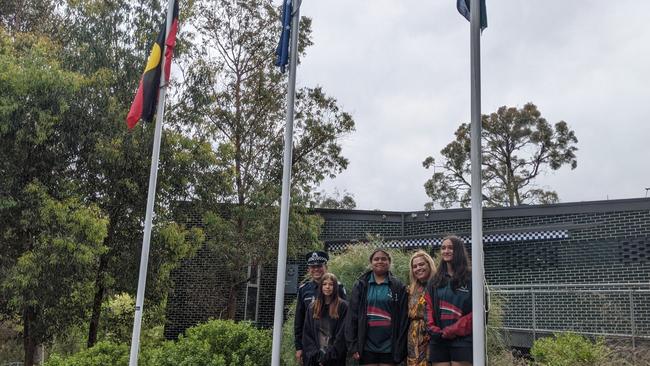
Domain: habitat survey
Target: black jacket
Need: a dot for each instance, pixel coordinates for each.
(357, 320)
(307, 294)
(334, 354)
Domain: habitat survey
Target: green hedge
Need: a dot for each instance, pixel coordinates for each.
(354, 261)
(569, 349)
(215, 343)
(103, 353)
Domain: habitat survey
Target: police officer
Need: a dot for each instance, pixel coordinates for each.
(316, 267)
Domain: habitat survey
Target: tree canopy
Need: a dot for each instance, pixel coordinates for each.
(234, 97)
(68, 72)
(518, 145)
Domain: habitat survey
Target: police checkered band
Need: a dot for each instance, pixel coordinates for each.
(316, 258)
(491, 239)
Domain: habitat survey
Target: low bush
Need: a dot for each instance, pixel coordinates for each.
(288, 357)
(215, 343)
(354, 261)
(569, 349)
(102, 354)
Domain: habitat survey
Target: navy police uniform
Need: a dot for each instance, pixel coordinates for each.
(307, 293)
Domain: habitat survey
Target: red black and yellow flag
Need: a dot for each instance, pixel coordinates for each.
(144, 103)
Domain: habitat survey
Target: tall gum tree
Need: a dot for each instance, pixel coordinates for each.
(518, 145)
(235, 97)
(112, 164)
(50, 239)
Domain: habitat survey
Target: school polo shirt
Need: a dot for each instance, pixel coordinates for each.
(379, 334)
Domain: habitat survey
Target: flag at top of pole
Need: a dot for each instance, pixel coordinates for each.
(146, 98)
(282, 52)
(464, 8)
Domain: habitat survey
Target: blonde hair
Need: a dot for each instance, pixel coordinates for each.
(320, 298)
(432, 268)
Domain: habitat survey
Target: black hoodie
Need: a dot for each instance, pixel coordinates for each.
(334, 354)
(357, 320)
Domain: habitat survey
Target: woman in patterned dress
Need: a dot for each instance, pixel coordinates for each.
(422, 270)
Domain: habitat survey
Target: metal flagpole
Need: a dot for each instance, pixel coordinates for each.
(478, 290)
(286, 192)
(151, 196)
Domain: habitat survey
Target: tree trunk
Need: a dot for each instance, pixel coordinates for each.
(29, 344)
(100, 290)
(232, 303)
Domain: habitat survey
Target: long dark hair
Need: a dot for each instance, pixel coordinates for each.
(460, 265)
(320, 298)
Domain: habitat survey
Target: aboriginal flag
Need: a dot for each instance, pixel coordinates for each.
(144, 103)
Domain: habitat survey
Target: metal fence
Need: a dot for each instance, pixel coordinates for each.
(610, 310)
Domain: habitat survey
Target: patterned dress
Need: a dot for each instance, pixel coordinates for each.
(418, 339)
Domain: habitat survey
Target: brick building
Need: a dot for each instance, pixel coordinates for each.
(581, 266)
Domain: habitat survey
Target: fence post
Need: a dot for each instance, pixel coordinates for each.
(632, 320)
(534, 317)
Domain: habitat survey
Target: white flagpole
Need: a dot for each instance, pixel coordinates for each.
(478, 290)
(151, 196)
(286, 191)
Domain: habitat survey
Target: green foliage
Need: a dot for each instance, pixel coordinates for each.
(29, 15)
(10, 342)
(234, 98)
(64, 238)
(117, 318)
(354, 261)
(215, 343)
(517, 145)
(288, 350)
(569, 349)
(218, 342)
(102, 354)
(111, 164)
(336, 200)
(497, 343)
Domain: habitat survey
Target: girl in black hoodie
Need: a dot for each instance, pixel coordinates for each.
(323, 336)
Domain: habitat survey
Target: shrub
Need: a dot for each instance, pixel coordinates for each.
(569, 349)
(117, 318)
(288, 357)
(102, 354)
(351, 263)
(217, 343)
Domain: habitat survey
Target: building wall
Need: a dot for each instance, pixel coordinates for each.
(593, 258)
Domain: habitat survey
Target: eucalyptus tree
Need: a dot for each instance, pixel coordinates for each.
(109, 42)
(518, 145)
(234, 96)
(50, 238)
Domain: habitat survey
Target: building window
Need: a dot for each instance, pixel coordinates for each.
(252, 293)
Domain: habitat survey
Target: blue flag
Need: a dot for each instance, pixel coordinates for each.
(282, 52)
(463, 8)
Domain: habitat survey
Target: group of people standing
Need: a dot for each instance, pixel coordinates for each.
(384, 322)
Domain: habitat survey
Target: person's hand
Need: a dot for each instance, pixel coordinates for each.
(448, 333)
(356, 356)
(299, 356)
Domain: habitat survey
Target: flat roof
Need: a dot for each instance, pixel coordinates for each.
(631, 204)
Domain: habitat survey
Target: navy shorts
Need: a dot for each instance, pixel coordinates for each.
(368, 357)
(444, 353)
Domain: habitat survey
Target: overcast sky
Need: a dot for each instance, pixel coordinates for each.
(401, 68)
